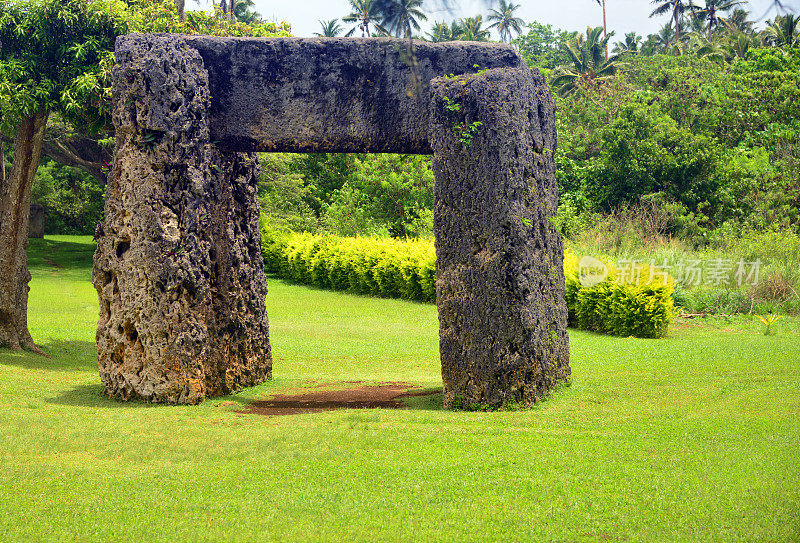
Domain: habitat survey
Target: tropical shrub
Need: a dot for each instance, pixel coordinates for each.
(630, 302)
(407, 269)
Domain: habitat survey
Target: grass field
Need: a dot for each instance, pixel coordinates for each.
(691, 437)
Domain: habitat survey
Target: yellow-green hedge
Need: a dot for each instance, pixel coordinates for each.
(643, 308)
(407, 269)
(377, 266)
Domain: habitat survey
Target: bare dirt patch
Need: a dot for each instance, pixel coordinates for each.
(381, 395)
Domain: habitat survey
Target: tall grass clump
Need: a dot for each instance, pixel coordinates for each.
(649, 234)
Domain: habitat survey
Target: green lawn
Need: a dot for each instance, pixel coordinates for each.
(692, 437)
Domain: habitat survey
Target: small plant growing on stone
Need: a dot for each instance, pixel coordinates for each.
(451, 105)
(150, 139)
(769, 321)
(178, 251)
(467, 132)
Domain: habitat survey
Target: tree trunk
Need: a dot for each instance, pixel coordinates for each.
(2, 167)
(605, 28)
(15, 202)
(181, 6)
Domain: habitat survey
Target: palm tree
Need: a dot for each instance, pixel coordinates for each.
(713, 9)
(401, 17)
(739, 44)
(504, 20)
(471, 29)
(330, 29)
(589, 67)
(242, 11)
(365, 13)
(664, 38)
(739, 20)
(630, 45)
(697, 25)
(676, 8)
(708, 48)
(782, 31)
(442, 31)
(602, 3)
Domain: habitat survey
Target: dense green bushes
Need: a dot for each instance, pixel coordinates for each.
(349, 195)
(639, 305)
(722, 142)
(406, 269)
(377, 266)
(72, 199)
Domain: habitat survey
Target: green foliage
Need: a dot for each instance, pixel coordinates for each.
(375, 266)
(329, 29)
(466, 132)
(769, 321)
(349, 195)
(55, 57)
(365, 13)
(644, 154)
(162, 16)
(442, 32)
(407, 269)
(641, 308)
(284, 196)
(471, 29)
(720, 142)
(504, 20)
(395, 191)
(542, 47)
(72, 199)
(589, 64)
(401, 17)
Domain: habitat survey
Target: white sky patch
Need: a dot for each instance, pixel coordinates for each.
(623, 15)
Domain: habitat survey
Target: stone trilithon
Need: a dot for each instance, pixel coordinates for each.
(178, 266)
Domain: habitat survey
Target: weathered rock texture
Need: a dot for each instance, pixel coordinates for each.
(331, 94)
(178, 266)
(36, 221)
(500, 277)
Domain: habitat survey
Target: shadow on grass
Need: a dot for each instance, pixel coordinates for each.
(93, 395)
(52, 253)
(90, 396)
(431, 399)
(272, 276)
(65, 356)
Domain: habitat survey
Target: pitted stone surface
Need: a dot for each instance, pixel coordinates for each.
(326, 94)
(178, 266)
(500, 277)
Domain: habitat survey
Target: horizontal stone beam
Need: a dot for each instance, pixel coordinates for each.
(324, 94)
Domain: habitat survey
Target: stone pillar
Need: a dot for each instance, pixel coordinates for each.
(500, 276)
(36, 222)
(178, 266)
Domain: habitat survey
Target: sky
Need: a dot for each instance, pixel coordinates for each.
(622, 15)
